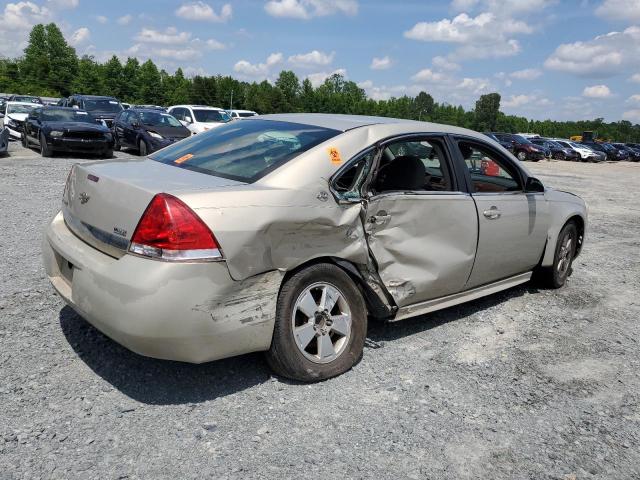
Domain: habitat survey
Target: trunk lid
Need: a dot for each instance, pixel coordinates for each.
(104, 201)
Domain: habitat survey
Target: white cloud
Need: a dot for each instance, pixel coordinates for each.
(314, 58)
(171, 36)
(381, 63)
(596, 91)
(212, 44)
(632, 115)
(306, 9)
(634, 99)
(531, 101)
(101, 19)
(483, 36)
(604, 56)
(444, 64)
(526, 74)
(204, 12)
(80, 36)
(260, 70)
(125, 20)
(635, 78)
(16, 21)
(627, 11)
(318, 79)
(426, 75)
(477, 86)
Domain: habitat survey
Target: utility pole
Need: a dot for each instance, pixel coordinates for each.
(231, 101)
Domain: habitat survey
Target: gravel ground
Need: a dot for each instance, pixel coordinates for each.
(524, 384)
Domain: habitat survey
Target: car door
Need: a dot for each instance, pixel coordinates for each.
(131, 129)
(421, 224)
(513, 224)
(119, 126)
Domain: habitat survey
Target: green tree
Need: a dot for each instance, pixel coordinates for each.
(150, 83)
(487, 108)
(112, 73)
(289, 85)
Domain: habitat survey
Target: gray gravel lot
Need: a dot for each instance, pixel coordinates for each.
(524, 384)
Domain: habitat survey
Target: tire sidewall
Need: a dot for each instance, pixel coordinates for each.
(142, 143)
(559, 279)
(297, 366)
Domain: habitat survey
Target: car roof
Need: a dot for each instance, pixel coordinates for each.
(95, 97)
(204, 107)
(146, 109)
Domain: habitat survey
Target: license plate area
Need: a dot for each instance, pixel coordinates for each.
(65, 268)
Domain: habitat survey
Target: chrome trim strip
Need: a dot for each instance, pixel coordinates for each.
(461, 297)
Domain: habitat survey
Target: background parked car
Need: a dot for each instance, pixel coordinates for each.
(508, 144)
(103, 109)
(199, 118)
(561, 152)
(4, 140)
(151, 107)
(26, 99)
(14, 116)
(235, 114)
(147, 130)
(522, 148)
(64, 129)
(585, 154)
(634, 154)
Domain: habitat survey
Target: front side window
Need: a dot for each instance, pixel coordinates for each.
(244, 151)
(415, 165)
(490, 173)
(347, 185)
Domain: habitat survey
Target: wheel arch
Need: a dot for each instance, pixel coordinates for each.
(554, 231)
(375, 306)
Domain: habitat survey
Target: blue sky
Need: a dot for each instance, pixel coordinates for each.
(547, 58)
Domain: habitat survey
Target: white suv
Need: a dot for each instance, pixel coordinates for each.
(235, 114)
(199, 118)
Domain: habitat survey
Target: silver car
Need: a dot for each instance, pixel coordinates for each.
(285, 233)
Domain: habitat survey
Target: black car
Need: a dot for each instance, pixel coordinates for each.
(103, 109)
(65, 129)
(505, 144)
(634, 154)
(147, 130)
(4, 140)
(555, 150)
(26, 98)
(521, 147)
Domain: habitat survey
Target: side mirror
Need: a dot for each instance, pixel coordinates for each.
(533, 185)
(188, 119)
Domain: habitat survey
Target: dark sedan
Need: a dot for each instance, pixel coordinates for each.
(63, 129)
(147, 130)
(634, 153)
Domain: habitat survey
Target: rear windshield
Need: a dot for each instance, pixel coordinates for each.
(208, 116)
(102, 105)
(244, 151)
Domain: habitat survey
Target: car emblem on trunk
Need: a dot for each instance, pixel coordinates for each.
(84, 198)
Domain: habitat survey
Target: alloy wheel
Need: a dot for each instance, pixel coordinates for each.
(321, 322)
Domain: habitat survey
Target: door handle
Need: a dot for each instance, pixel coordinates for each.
(493, 213)
(379, 219)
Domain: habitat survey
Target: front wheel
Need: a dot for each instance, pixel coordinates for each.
(556, 275)
(321, 325)
(143, 150)
(108, 153)
(522, 156)
(116, 143)
(45, 150)
(23, 140)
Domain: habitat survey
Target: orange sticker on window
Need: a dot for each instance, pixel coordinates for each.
(334, 155)
(183, 158)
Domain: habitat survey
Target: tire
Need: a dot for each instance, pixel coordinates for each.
(116, 144)
(143, 150)
(45, 151)
(24, 141)
(108, 153)
(288, 355)
(522, 156)
(556, 275)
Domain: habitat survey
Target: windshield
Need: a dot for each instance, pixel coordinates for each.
(27, 99)
(102, 105)
(20, 108)
(520, 139)
(66, 115)
(157, 119)
(208, 116)
(244, 151)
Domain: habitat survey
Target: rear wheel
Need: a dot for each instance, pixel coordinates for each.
(45, 150)
(321, 325)
(143, 150)
(556, 275)
(522, 156)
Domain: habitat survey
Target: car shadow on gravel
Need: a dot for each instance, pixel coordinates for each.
(379, 332)
(159, 382)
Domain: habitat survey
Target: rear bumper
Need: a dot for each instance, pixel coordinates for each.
(191, 312)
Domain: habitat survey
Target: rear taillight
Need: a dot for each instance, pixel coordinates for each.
(170, 230)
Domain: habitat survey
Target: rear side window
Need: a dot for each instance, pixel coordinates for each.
(489, 171)
(244, 151)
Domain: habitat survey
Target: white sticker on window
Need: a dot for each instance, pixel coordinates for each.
(81, 113)
(113, 102)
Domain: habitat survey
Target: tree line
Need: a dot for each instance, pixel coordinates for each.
(51, 67)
